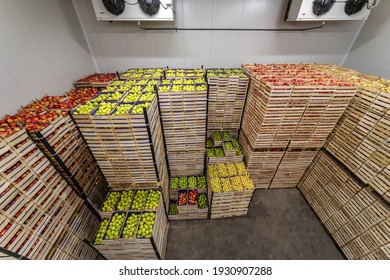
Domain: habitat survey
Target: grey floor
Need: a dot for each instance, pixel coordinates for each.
(280, 225)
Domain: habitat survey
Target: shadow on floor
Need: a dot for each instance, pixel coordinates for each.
(280, 226)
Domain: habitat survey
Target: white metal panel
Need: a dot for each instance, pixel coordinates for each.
(170, 49)
(57, 32)
(227, 13)
(42, 49)
(250, 47)
(371, 51)
(22, 54)
(12, 96)
(223, 54)
(194, 48)
(197, 13)
(197, 48)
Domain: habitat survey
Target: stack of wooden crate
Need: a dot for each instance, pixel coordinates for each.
(290, 111)
(135, 246)
(129, 148)
(74, 241)
(181, 190)
(353, 214)
(64, 146)
(227, 93)
(222, 148)
(230, 190)
(36, 202)
(366, 125)
(183, 104)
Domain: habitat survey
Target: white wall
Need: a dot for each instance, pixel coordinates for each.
(42, 50)
(120, 45)
(371, 52)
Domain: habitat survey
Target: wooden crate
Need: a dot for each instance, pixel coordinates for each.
(366, 126)
(183, 117)
(227, 93)
(125, 151)
(355, 217)
(284, 105)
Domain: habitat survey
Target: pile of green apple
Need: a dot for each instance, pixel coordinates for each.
(183, 183)
(142, 82)
(152, 83)
(122, 109)
(177, 88)
(125, 200)
(201, 87)
(210, 152)
(115, 96)
(149, 96)
(229, 146)
(126, 86)
(105, 108)
(189, 88)
(100, 233)
(110, 88)
(226, 136)
(219, 152)
(84, 109)
(192, 182)
(209, 143)
(136, 89)
(139, 200)
(110, 202)
(174, 184)
(152, 200)
(130, 228)
(217, 136)
(201, 182)
(239, 152)
(132, 97)
(115, 226)
(146, 226)
(164, 88)
(202, 201)
(148, 88)
(116, 83)
(100, 98)
(138, 109)
(173, 209)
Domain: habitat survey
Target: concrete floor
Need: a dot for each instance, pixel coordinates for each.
(280, 225)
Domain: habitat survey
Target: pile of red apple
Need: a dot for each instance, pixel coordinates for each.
(38, 114)
(183, 199)
(9, 125)
(193, 197)
(98, 78)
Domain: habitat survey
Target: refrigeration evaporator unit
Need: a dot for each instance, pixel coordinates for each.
(323, 10)
(133, 10)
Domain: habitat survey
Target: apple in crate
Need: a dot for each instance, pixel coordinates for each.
(146, 225)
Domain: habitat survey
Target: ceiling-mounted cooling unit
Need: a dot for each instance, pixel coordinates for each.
(322, 10)
(133, 10)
